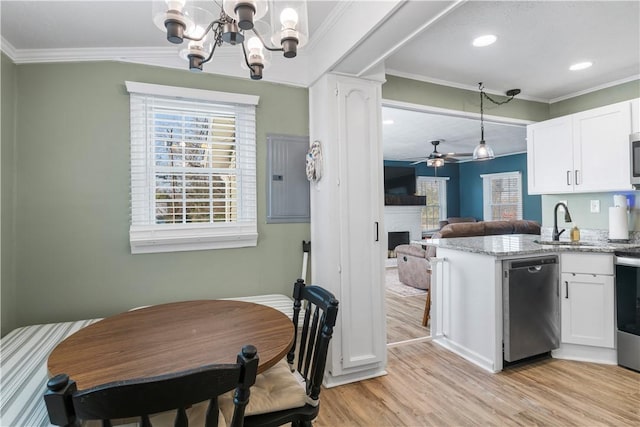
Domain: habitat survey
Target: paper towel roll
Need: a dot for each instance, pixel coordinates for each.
(620, 200)
(618, 226)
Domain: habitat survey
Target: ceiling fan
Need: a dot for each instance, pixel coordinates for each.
(437, 159)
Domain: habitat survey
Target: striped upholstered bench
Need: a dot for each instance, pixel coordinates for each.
(23, 364)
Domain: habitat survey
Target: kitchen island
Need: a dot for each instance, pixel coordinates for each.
(467, 297)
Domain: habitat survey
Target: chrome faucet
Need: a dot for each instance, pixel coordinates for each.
(555, 236)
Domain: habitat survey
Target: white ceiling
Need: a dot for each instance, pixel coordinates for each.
(425, 40)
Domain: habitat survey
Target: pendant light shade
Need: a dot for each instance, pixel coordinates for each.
(483, 152)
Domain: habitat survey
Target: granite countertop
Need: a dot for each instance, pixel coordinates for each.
(521, 244)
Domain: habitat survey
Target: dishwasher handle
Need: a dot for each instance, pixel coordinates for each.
(534, 269)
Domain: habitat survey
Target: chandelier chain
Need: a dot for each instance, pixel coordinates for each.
(482, 92)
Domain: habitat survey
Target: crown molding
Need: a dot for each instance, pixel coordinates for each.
(596, 88)
(8, 49)
(31, 56)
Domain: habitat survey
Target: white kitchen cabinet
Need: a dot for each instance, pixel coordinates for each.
(582, 152)
(587, 295)
(548, 173)
(346, 222)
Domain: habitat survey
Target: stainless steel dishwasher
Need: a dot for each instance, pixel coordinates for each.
(531, 307)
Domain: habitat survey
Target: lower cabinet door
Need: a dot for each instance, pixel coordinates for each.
(587, 309)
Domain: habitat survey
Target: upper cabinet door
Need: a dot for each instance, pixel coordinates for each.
(550, 156)
(601, 148)
(581, 153)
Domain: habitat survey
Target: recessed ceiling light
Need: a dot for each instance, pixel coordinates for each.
(387, 122)
(485, 40)
(581, 66)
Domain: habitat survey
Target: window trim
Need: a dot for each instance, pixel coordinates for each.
(155, 238)
(486, 179)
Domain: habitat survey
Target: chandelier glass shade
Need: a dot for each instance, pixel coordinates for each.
(258, 26)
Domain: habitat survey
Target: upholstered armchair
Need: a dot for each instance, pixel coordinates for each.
(413, 266)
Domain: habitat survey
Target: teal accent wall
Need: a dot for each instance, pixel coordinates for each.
(72, 252)
(8, 307)
(471, 185)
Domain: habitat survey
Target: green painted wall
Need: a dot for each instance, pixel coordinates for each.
(599, 98)
(579, 204)
(423, 93)
(72, 252)
(8, 156)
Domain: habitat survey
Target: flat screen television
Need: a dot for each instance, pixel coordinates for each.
(399, 180)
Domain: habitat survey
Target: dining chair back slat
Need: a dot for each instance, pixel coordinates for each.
(313, 333)
(147, 396)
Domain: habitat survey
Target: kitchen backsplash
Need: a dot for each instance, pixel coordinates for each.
(588, 235)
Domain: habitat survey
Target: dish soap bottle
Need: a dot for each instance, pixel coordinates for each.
(575, 234)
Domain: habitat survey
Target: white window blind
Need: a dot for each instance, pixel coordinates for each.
(193, 170)
(435, 209)
(502, 196)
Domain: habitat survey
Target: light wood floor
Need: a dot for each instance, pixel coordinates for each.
(404, 317)
(430, 386)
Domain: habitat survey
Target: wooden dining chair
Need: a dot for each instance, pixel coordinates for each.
(290, 391)
(141, 398)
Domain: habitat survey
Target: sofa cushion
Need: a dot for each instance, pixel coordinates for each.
(526, 227)
(457, 219)
(463, 229)
(493, 228)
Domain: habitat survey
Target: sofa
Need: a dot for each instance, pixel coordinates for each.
(414, 268)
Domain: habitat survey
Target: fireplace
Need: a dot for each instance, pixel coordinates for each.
(396, 238)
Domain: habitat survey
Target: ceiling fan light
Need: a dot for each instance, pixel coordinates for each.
(435, 163)
(483, 152)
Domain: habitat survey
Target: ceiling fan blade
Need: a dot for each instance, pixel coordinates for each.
(419, 161)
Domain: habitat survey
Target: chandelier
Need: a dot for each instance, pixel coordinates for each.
(240, 22)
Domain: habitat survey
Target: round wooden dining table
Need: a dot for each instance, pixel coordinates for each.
(167, 338)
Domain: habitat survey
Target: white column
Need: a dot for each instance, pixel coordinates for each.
(347, 230)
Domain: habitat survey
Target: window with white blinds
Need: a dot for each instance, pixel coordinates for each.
(502, 196)
(435, 209)
(193, 169)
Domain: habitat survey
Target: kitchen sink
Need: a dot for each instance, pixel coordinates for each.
(563, 243)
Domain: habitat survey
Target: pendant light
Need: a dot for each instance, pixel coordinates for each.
(482, 150)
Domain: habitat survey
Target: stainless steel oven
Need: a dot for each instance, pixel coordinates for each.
(628, 307)
(634, 143)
